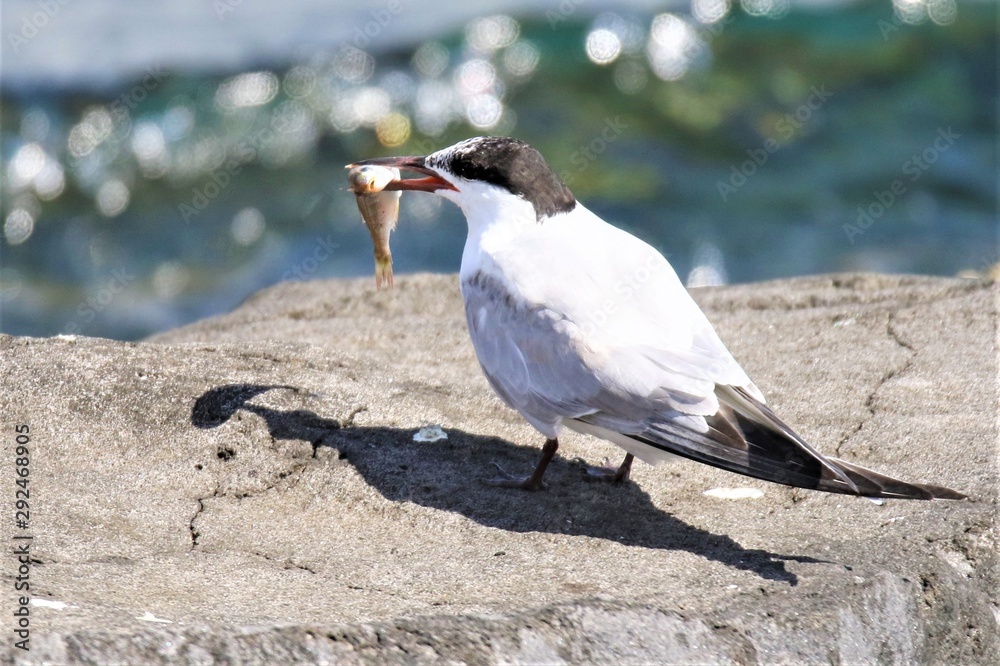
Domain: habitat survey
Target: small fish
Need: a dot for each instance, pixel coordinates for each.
(379, 210)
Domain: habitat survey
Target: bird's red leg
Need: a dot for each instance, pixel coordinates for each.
(533, 482)
(610, 473)
(625, 469)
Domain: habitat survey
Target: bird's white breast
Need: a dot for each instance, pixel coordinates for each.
(614, 286)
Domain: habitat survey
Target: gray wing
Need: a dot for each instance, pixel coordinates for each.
(543, 365)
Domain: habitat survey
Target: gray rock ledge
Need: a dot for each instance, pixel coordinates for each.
(247, 490)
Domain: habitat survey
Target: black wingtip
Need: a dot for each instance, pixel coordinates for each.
(873, 484)
(946, 493)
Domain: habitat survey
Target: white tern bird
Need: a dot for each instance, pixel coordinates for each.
(577, 323)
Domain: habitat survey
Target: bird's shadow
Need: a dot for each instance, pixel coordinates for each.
(448, 475)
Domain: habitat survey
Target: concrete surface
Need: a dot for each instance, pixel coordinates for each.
(247, 490)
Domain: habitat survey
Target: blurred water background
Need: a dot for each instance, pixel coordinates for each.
(163, 160)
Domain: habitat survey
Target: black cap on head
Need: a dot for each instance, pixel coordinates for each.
(513, 165)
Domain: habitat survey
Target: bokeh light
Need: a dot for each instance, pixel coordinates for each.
(673, 44)
(18, 226)
(942, 12)
(93, 129)
(50, 181)
(299, 81)
(628, 30)
(603, 46)
(770, 8)
(393, 129)
(28, 162)
(913, 12)
(178, 122)
(112, 198)
(430, 60)
(483, 111)
(370, 104)
(475, 76)
(710, 11)
(247, 90)
(491, 33)
(169, 279)
(521, 58)
(247, 226)
(150, 148)
(353, 65)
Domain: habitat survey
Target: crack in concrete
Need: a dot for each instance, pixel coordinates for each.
(369, 589)
(287, 564)
(192, 530)
(885, 379)
(295, 472)
(894, 334)
(195, 534)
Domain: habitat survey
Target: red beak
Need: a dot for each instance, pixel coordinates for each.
(431, 182)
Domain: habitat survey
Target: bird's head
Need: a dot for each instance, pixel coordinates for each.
(487, 176)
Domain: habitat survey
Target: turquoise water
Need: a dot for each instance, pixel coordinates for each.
(167, 181)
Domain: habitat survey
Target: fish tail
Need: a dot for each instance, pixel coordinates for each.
(383, 272)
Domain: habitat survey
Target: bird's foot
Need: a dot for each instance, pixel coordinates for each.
(504, 479)
(608, 472)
